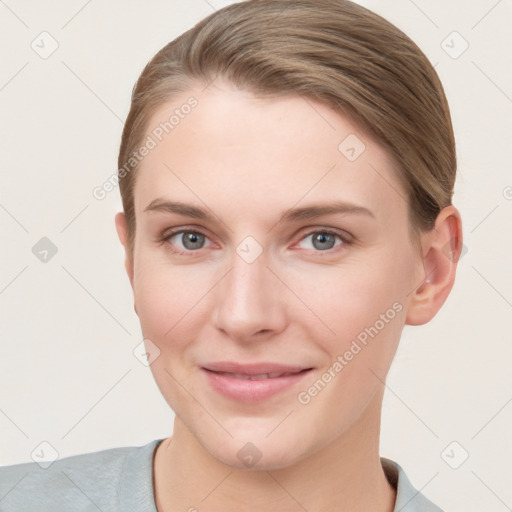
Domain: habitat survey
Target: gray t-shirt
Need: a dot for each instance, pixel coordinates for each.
(121, 480)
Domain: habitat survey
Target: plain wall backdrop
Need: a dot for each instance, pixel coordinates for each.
(68, 375)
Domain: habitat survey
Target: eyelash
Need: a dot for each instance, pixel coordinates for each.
(344, 238)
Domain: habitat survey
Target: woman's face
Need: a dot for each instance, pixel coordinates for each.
(253, 269)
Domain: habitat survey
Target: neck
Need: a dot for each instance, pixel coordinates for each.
(345, 475)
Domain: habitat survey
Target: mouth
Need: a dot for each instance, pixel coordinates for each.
(255, 383)
(254, 369)
(260, 376)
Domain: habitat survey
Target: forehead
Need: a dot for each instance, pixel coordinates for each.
(232, 147)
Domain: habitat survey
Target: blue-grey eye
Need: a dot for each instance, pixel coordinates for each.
(192, 240)
(322, 240)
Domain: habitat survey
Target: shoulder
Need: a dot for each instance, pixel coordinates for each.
(97, 480)
(408, 499)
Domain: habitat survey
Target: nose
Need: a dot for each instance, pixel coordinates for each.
(250, 301)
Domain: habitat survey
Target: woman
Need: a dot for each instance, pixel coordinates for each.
(286, 171)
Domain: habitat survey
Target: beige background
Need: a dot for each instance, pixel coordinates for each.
(67, 372)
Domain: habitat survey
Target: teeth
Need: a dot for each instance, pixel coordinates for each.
(262, 376)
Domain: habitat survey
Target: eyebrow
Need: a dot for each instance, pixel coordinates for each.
(291, 215)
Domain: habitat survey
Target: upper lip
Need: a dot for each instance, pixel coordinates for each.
(253, 368)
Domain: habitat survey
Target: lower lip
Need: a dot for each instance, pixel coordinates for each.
(251, 391)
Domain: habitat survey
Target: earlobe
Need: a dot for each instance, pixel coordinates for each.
(122, 233)
(442, 249)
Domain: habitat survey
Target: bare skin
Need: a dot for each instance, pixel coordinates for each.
(303, 300)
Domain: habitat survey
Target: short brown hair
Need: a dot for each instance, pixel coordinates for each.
(332, 51)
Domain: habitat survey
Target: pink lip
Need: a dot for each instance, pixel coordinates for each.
(252, 391)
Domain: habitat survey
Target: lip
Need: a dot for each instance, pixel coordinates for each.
(252, 391)
(253, 368)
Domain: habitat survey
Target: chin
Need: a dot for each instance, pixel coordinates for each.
(260, 454)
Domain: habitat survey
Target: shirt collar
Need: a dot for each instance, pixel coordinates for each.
(408, 499)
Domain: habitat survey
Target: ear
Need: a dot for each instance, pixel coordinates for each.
(441, 251)
(122, 233)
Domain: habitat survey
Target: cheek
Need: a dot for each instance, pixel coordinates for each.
(169, 298)
(154, 301)
(168, 301)
(350, 295)
(360, 306)
(366, 313)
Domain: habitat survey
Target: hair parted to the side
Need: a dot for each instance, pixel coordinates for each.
(332, 51)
